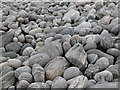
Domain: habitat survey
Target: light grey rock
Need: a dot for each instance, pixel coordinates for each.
(75, 39)
(7, 79)
(37, 85)
(22, 14)
(11, 88)
(68, 30)
(77, 56)
(15, 63)
(48, 40)
(25, 76)
(3, 59)
(27, 51)
(92, 58)
(66, 37)
(66, 46)
(91, 82)
(49, 82)
(103, 76)
(90, 45)
(56, 67)
(38, 73)
(71, 72)
(114, 52)
(101, 54)
(39, 58)
(80, 82)
(21, 38)
(29, 38)
(52, 49)
(59, 82)
(22, 69)
(22, 84)
(35, 31)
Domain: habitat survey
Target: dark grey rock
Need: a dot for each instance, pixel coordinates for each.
(90, 46)
(56, 67)
(69, 31)
(92, 58)
(115, 30)
(75, 39)
(71, 72)
(38, 73)
(77, 56)
(9, 54)
(40, 58)
(22, 69)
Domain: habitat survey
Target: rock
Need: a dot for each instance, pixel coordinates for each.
(107, 40)
(90, 46)
(103, 76)
(97, 29)
(56, 67)
(101, 54)
(77, 56)
(35, 31)
(21, 38)
(25, 46)
(115, 30)
(71, 14)
(113, 85)
(29, 38)
(3, 59)
(59, 82)
(9, 54)
(75, 39)
(81, 26)
(114, 69)
(80, 82)
(23, 14)
(103, 63)
(15, 63)
(91, 82)
(71, 72)
(13, 25)
(11, 88)
(25, 76)
(114, 52)
(69, 31)
(49, 82)
(83, 31)
(66, 46)
(48, 40)
(22, 69)
(38, 73)
(52, 49)
(22, 84)
(5, 69)
(7, 80)
(66, 37)
(27, 51)
(6, 38)
(92, 58)
(40, 58)
(38, 85)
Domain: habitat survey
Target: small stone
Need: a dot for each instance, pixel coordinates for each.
(9, 54)
(66, 37)
(35, 31)
(40, 58)
(22, 69)
(15, 63)
(71, 73)
(50, 39)
(38, 73)
(25, 76)
(27, 51)
(77, 56)
(22, 84)
(69, 31)
(80, 82)
(92, 58)
(75, 39)
(13, 25)
(113, 51)
(29, 38)
(115, 30)
(56, 67)
(49, 82)
(3, 59)
(66, 46)
(22, 14)
(90, 45)
(15, 39)
(59, 82)
(21, 38)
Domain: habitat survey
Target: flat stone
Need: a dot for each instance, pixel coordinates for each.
(17, 63)
(40, 58)
(9, 54)
(38, 73)
(35, 31)
(77, 56)
(56, 67)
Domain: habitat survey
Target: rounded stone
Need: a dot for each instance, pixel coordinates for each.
(22, 69)
(27, 51)
(14, 63)
(90, 45)
(66, 46)
(92, 58)
(71, 73)
(75, 39)
(21, 38)
(25, 76)
(113, 51)
(22, 84)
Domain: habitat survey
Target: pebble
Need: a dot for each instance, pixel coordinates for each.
(21, 38)
(92, 58)
(35, 31)
(56, 67)
(69, 31)
(114, 52)
(3, 59)
(41, 59)
(38, 73)
(9, 54)
(23, 84)
(71, 73)
(15, 47)
(27, 51)
(75, 39)
(90, 45)
(66, 37)
(115, 29)
(66, 46)
(17, 63)
(77, 56)
(22, 69)
(25, 76)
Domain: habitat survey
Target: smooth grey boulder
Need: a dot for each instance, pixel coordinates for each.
(39, 58)
(7, 79)
(59, 82)
(38, 73)
(56, 67)
(71, 72)
(52, 49)
(22, 69)
(77, 56)
(80, 82)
